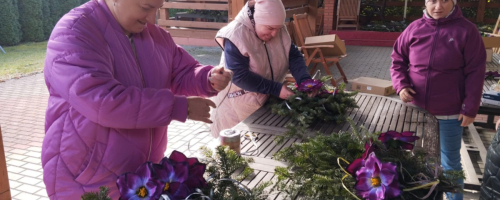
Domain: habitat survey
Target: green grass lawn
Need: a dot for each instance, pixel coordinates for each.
(22, 59)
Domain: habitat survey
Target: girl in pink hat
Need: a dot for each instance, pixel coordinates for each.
(259, 51)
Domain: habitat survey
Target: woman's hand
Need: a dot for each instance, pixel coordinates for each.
(219, 78)
(406, 94)
(498, 123)
(465, 120)
(285, 92)
(199, 109)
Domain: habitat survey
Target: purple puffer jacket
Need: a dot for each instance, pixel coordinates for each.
(444, 61)
(108, 113)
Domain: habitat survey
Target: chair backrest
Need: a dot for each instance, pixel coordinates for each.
(348, 9)
(4, 179)
(495, 30)
(302, 28)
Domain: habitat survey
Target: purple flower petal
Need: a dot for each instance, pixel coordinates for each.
(144, 171)
(407, 146)
(197, 169)
(178, 157)
(384, 137)
(380, 191)
(369, 148)
(364, 184)
(389, 166)
(407, 138)
(192, 161)
(162, 173)
(181, 172)
(387, 176)
(354, 166)
(196, 182)
(167, 164)
(407, 133)
(376, 171)
(393, 190)
(151, 187)
(371, 162)
(179, 191)
(127, 184)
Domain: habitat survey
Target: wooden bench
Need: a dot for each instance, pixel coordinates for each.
(376, 113)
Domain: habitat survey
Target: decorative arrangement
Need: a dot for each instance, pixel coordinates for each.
(376, 166)
(329, 104)
(180, 178)
(345, 165)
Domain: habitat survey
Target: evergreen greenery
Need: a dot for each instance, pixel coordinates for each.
(221, 166)
(10, 30)
(31, 20)
(306, 110)
(101, 195)
(314, 170)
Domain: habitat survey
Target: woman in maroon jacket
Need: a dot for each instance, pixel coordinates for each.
(439, 63)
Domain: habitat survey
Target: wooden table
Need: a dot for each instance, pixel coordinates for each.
(486, 109)
(376, 113)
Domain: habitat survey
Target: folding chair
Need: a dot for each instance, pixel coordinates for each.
(348, 11)
(302, 29)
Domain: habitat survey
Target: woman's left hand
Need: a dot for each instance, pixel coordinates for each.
(465, 120)
(219, 78)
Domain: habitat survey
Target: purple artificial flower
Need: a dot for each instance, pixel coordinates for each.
(138, 185)
(393, 139)
(491, 75)
(377, 180)
(310, 85)
(179, 176)
(358, 163)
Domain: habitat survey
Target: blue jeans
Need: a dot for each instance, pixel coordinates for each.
(450, 133)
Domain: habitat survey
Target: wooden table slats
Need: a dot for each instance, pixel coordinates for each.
(376, 113)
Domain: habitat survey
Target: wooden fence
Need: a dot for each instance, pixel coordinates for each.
(193, 29)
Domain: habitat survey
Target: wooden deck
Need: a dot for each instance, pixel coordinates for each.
(376, 113)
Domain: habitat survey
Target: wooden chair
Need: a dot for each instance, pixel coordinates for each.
(496, 31)
(303, 31)
(4, 179)
(348, 11)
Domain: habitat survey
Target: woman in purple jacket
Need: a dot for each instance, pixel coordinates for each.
(439, 63)
(116, 81)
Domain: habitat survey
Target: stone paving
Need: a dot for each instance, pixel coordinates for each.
(23, 103)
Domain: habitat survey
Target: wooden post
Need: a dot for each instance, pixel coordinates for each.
(4, 179)
(229, 11)
(164, 15)
(235, 7)
(328, 16)
(481, 7)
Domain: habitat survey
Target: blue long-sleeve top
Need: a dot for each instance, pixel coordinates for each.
(250, 81)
